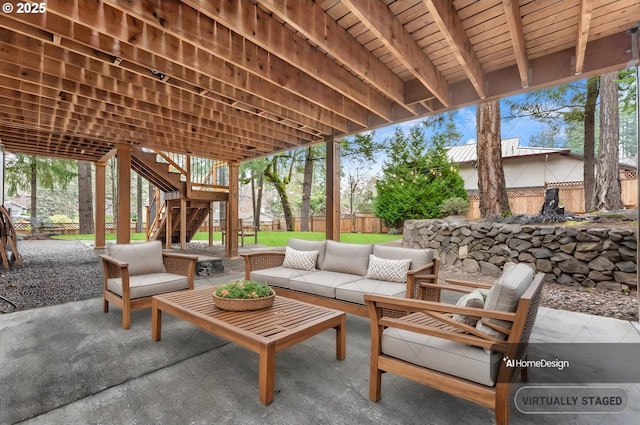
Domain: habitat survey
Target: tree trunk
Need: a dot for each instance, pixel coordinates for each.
(589, 142)
(305, 206)
(491, 183)
(85, 198)
(608, 192)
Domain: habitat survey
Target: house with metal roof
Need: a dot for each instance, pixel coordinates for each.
(524, 166)
(529, 170)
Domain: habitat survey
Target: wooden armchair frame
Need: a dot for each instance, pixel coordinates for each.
(435, 320)
(174, 263)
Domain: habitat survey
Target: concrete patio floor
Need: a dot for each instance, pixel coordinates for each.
(73, 364)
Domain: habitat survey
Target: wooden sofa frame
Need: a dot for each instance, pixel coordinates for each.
(180, 264)
(418, 282)
(437, 322)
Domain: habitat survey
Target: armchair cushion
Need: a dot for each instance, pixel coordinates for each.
(143, 258)
(450, 357)
(472, 299)
(304, 245)
(347, 258)
(150, 284)
(505, 294)
(390, 270)
(419, 257)
(301, 260)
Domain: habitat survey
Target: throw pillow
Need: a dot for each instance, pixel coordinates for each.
(472, 299)
(389, 270)
(301, 260)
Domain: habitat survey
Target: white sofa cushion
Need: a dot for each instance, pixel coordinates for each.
(150, 284)
(505, 294)
(143, 258)
(304, 245)
(450, 357)
(389, 270)
(321, 283)
(347, 258)
(419, 257)
(354, 291)
(472, 299)
(300, 260)
(277, 276)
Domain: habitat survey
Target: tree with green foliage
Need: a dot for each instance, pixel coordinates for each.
(417, 176)
(278, 172)
(28, 172)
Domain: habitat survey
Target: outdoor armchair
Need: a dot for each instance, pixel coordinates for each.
(458, 349)
(133, 273)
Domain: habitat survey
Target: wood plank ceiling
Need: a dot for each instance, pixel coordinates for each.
(234, 80)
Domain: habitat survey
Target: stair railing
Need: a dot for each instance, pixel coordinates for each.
(155, 213)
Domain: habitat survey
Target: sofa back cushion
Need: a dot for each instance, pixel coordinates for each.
(143, 258)
(505, 294)
(419, 257)
(347, 258)
(303, 245)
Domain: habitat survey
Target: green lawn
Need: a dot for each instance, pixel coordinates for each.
(264, 238)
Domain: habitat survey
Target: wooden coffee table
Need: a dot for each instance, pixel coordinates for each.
(265, 331)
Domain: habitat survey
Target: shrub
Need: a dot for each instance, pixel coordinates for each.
(454, 206)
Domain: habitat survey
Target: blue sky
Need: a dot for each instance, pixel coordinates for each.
(465, 120)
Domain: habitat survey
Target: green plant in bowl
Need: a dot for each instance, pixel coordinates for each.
(244, 289)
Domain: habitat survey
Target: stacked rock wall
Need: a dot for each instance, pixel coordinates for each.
(587, 256)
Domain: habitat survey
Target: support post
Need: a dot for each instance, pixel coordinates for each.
(183, 223)
(123, 232)
(99, 238)
(333, 190)
(231, 241)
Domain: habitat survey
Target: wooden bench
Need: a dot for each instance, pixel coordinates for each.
(434, 319)
(244, 231)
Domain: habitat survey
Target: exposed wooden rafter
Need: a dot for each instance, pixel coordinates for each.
(449, 24)
(584, 23)
(514, 21)
(389, 31)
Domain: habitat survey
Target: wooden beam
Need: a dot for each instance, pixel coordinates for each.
(446, 18)
(309, 19)
(514, 21)
(259, 27)
(225, 51)
(387, 28)
(584, 23)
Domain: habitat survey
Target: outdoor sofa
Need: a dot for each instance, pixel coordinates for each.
(338, 275)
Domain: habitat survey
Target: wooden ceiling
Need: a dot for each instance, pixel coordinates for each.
(234, 80)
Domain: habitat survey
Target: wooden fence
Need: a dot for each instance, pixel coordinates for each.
(571, 194)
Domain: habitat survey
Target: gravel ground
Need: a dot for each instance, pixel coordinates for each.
(55, 272)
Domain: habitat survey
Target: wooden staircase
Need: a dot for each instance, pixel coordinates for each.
(174, 193)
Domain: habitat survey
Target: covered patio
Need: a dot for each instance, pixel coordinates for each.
(232, 81)
(68, 364)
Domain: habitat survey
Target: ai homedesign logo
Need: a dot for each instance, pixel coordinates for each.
(540, 364)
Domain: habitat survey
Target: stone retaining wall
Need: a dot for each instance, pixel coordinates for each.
(602, 257)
